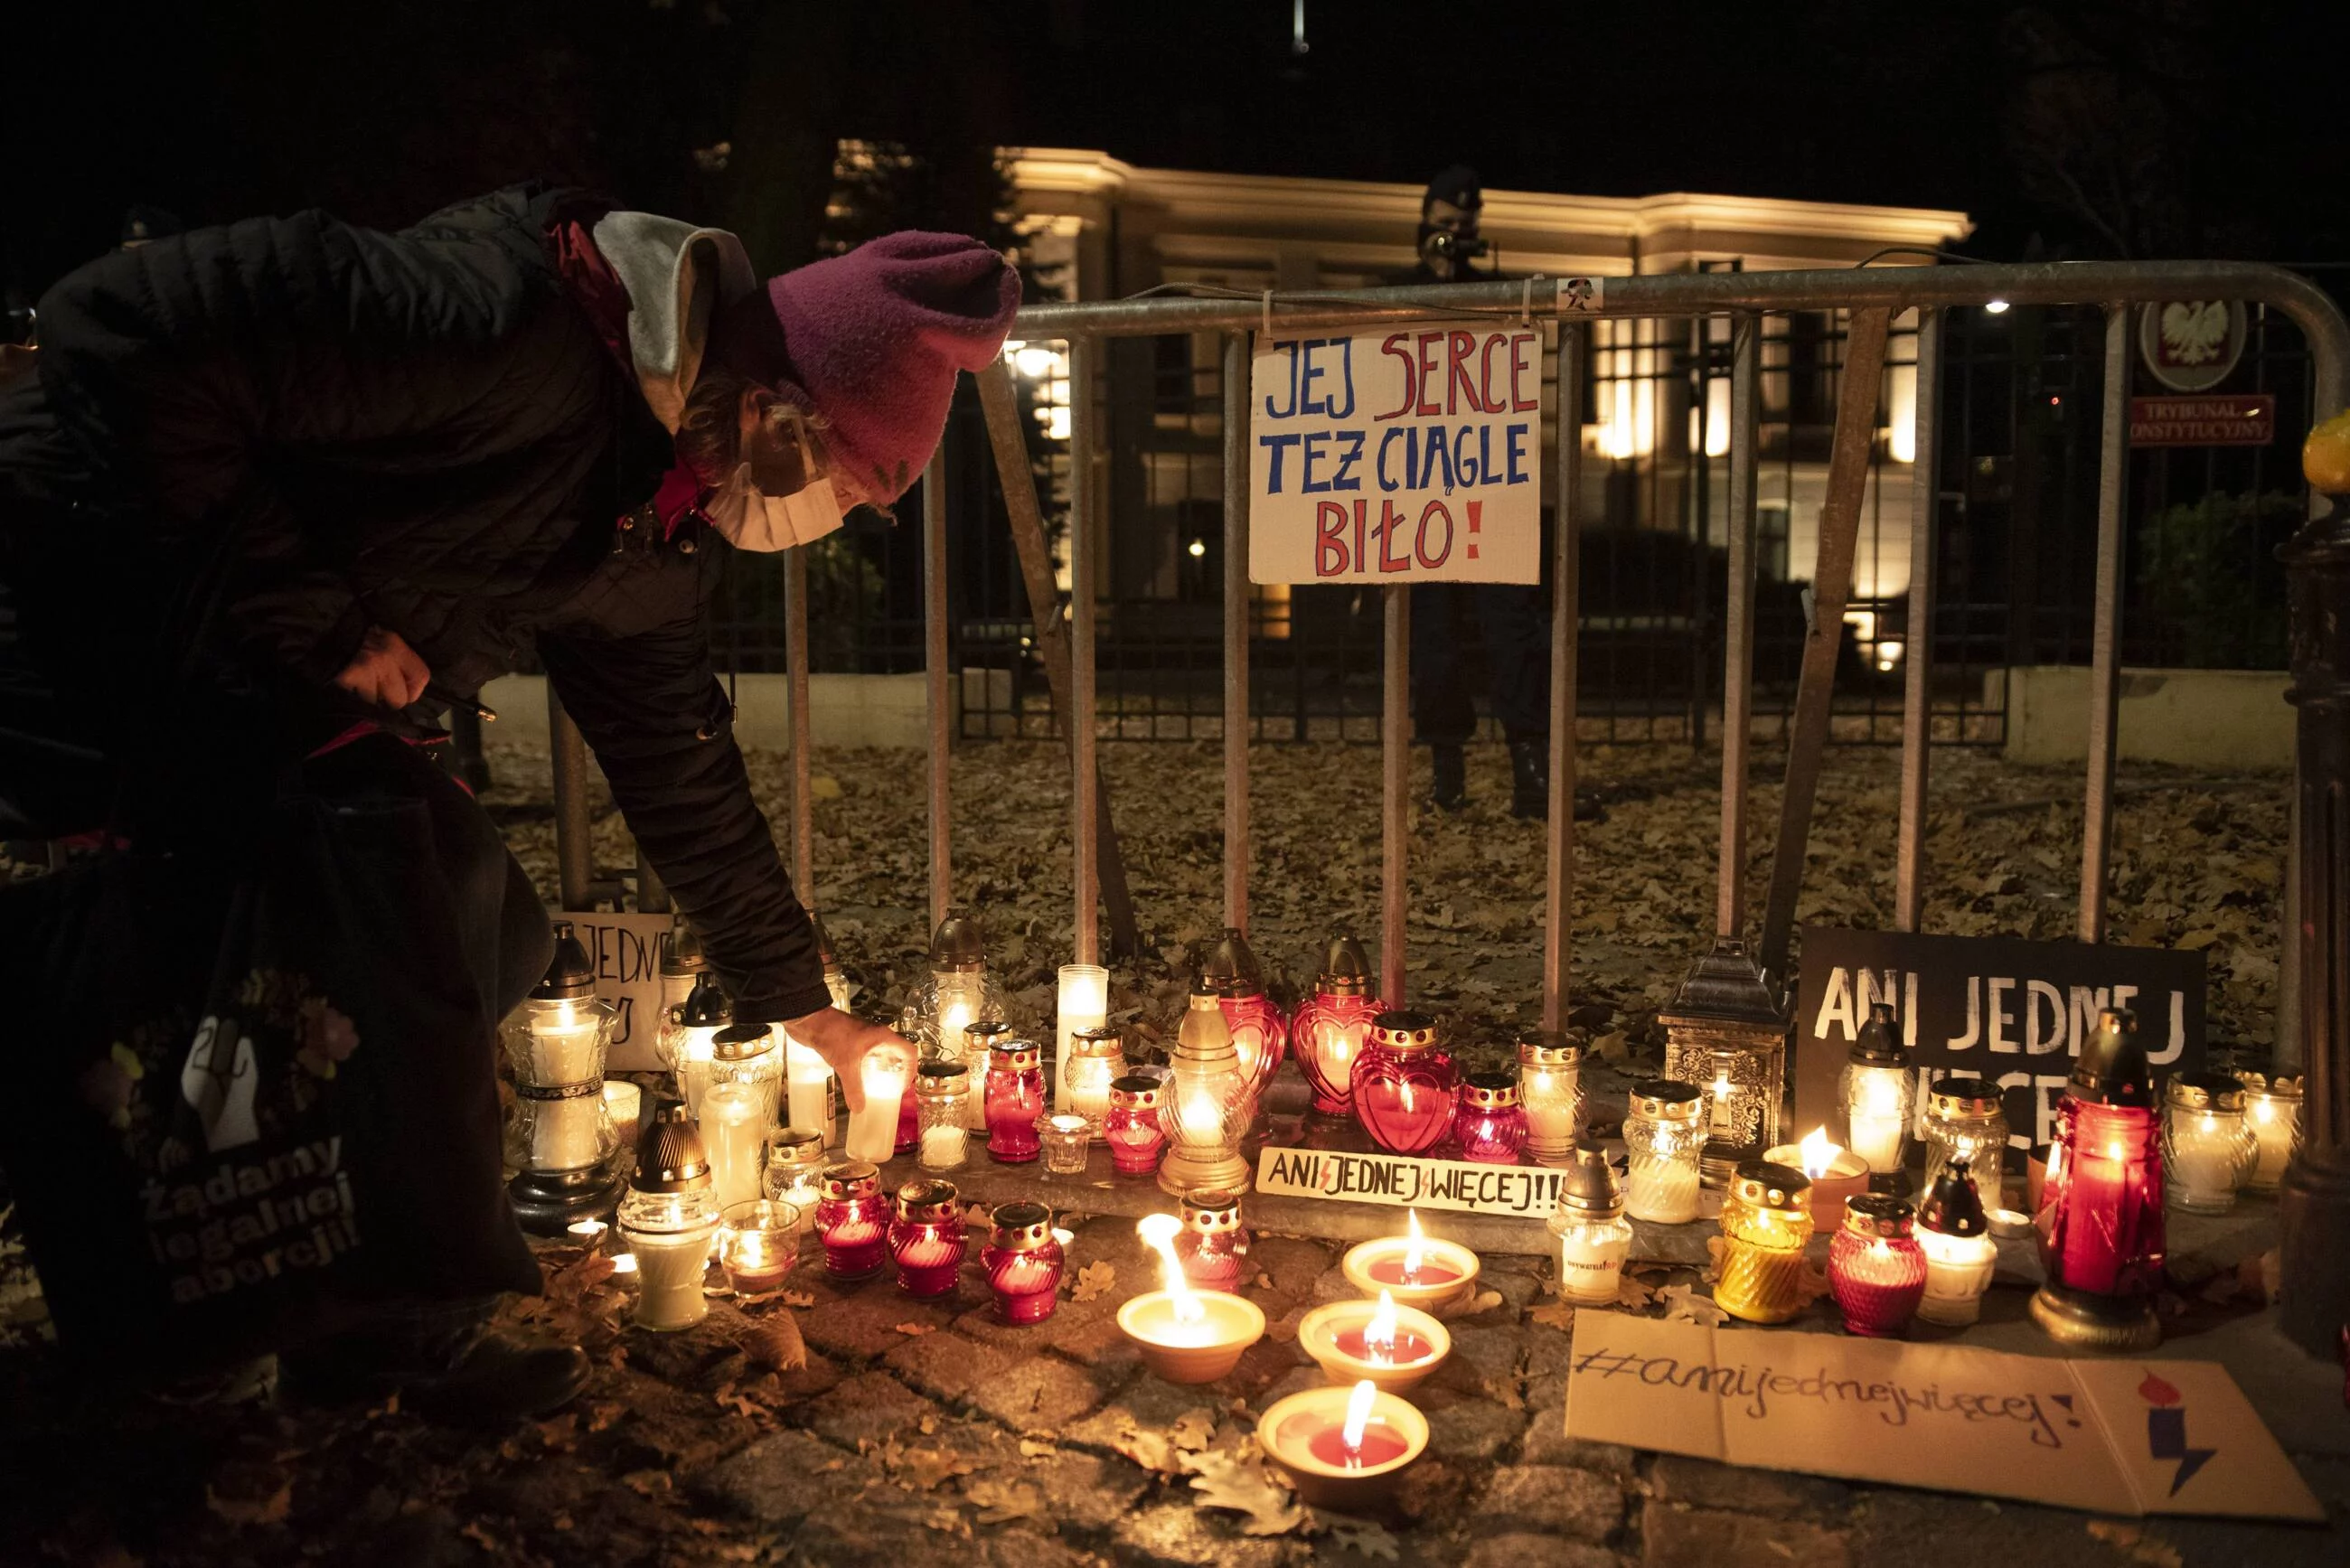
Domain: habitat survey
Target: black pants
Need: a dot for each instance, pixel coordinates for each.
(1512, 621)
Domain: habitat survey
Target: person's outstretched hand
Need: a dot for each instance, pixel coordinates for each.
(844, 1040)
(385, 671)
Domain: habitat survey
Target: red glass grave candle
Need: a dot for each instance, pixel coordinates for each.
(1877, 1270)
(1024, 1262)
(852, 1220)
(1136, 1139)
(1490, 1125)
(926, 1237)
(909, 1123)
(1015, 1098)
(2100, 1222)
(1259, 1031)
(1213, 1241)
(1335, 1025)
(1404, 1083)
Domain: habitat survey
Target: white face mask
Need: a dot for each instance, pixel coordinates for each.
(752, 520)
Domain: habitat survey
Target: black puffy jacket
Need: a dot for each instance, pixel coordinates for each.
(420, 430)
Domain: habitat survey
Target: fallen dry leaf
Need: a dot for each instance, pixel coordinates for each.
(926, 1468)
(773, 1345)
(1094, 1279)
(479, 1536)
(1555, 1313)
(1193, 1430)
(1264, 1281)
(1364, 1537)
(1232, 1481)
(1000, 1501)
(1683, 1305)
(1032, 1449)
(1151, 1450)
(916, 1330)
(2134, 1541)
(1466, 1307)
(1712, 1269)
(1631, 1292)
(244, 1493)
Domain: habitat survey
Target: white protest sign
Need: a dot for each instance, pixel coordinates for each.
(625, 952)
(1400, 1181)
(1405, 456)
(2113, 1437)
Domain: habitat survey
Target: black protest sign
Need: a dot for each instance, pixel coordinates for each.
(2010, 1011)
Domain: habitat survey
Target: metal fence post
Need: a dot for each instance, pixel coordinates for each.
(1918, 689)
(2105, 635)
(934, 666)
(1566, 618)
(1395, 787)
(575, 846)
(1738, 625)
(795, 666)
(1236, 630)
(1085, 847)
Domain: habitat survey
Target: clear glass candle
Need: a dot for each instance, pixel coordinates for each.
(980, 1040)
(557, 1047)
(1877, 1270)
(1204, 1105)
(1664, 1133)
(1083, 1005)
(1550, 1091)
(736, 1127)
(1024, 1262)
(927, 1239)
(1095, 1057)
(1594, 1237)
(2208, 1147)
(1334, 1024)
(758, 1242)
(1765, 1221)
(1954, 1232)
(872, 1134)
(1064, 1141)
(807, 1088)
(667, 1218)
(795, 1171)
(1213, 1241)
(751, 1055)
(1015, 1099)
(940, 1093)
(1963, 1121)
(2272, 1110)
(852, 1220)
(1488, 1124)
(1131, 1129)
(1879, 1092)
(1404, 1084)
(685, 1040)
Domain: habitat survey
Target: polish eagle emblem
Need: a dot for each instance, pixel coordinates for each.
(2194, 332)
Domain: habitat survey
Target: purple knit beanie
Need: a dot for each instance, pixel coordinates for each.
(874, 338)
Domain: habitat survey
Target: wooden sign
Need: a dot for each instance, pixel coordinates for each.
(2111, 1437)
(1402, 1182)
(2007, 1010)
(1404, 456)
(626, 950)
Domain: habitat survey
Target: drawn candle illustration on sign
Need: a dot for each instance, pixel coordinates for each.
(1401, 456)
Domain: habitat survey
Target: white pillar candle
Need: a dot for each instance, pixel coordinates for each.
(1548, 1096)
(1957, 1270)
(563, 1055)
(1879, 1116)
(669, 1267)
(693, 1069)
(734, 1128)
(808, 1086)
(1084, 1004)
(2273, 1118)
(1661, 1192)
(943, 1148)
(2202, 1167)
(873, 1131)
(624, 1104)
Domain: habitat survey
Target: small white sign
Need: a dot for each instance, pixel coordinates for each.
(1401, 1181)
(1405, 456)
(625, 952)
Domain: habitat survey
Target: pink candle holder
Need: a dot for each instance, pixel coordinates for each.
(1015, 1098)
(1213, 1241)
(1404, 1084)
(1259, 1032)
(910, 1125)
(1490, 1125)
(852, 1220)
(1024, 1262)
(1877, 1270)
(1132, 1131)
(1334, 1025)
(927, 1239)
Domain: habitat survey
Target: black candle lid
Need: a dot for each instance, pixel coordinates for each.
(707, 1005)
(960, 944)
(669, 1153)
(1954, 1206)
(570, 974)
(2112, 1070)
(1879, 1044)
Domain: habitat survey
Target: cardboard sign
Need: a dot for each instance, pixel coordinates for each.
(1408, 456)
(2007, 1010)
(627, 954)
(1400, 1181)
(2113, 1437)
(2248, 419)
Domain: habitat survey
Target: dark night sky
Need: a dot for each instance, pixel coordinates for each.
(2137, 127)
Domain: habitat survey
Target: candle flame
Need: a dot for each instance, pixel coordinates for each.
(1817, 1153)
(1158, 1232)
(1359, 1414)
(567, 1016)
(591, 1227)
(626, 1263)
(1411, 1254)
(1380, 1334)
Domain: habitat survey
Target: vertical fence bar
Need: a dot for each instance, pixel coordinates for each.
(1738, 624)
(1236, 630)
(795, 666)
(1918, 689)
(934, 668)
(1395, 784)
(1085, 849)
(575, 846)
(1566, 624)
(2105, 637)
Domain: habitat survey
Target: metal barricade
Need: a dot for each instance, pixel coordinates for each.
(2315, 1004)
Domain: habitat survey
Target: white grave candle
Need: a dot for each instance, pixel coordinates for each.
(669, 1268)
(873, 1131)
(1662, 1191)
(564, 1054)
(734, 1128)
(1084, 1004)
(624, 1104)
(807, 1085)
